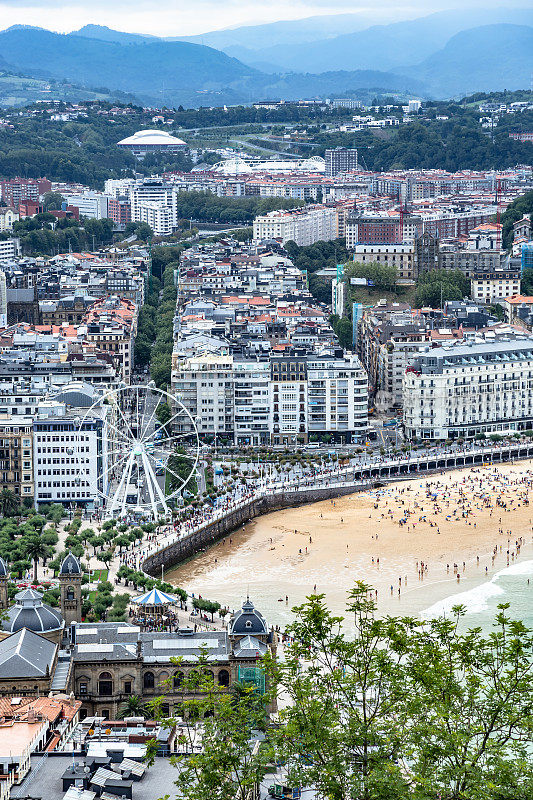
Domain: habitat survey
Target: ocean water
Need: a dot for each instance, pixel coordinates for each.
(513, 585)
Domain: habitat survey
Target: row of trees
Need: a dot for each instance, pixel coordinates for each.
(437, 286)
(320, 255)
(146, 330)
(207, 207)
(373, 709)
(24, 539)
(161, 357)
(38, 237)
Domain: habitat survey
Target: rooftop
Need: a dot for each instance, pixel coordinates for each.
(25, 654)
(47, 784)
(151, 137)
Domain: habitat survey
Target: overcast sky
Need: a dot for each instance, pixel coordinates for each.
(186, 17)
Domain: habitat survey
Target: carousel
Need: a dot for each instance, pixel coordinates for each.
(153, 608)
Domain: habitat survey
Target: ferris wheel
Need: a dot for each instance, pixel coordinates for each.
(149, 450)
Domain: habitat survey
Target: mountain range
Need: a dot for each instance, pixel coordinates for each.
(382, 47)
(439, 55)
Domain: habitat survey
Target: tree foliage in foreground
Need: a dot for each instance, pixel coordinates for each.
(405, 709)
(375, 709)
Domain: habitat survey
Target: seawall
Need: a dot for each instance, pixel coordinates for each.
(175, 552)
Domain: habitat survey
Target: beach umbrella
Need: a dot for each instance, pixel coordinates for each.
(155, 597)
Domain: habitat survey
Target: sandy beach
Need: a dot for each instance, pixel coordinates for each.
(409, 540)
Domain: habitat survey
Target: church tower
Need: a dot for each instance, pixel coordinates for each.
(4, 575)
(70, 587)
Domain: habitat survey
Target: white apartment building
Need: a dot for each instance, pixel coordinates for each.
(9, 249)
(119, 187)
(470, 389)
(301, 225)
(90, 204)
(156, 192)
(157, 216)
(69, 456)
(494, 287)
(252, 408)
(337, 390)
(205, 386)
(282, 400)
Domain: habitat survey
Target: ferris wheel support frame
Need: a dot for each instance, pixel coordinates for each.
(139, 450)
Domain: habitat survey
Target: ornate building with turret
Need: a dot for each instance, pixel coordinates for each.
(114, 660)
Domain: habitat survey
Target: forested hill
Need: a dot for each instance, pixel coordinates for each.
(453, 145)
(85, 151)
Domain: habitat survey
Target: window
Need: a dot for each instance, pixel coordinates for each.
(127, 687)
(105, 684)
(223, 677)
(148, 680)
(83, 688)
(177, 680)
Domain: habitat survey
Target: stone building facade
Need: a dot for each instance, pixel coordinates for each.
(113, 661)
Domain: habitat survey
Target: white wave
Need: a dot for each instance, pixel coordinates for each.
(476, 600)
(522, 568)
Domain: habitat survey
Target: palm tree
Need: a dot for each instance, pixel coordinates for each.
(132, 707)
(8, 502)
(35, 549)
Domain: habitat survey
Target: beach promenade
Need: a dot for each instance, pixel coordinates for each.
(215, 523)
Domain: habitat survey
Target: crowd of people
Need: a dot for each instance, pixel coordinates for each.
(436, 504)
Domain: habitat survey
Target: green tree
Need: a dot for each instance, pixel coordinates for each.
(381, 708)
(8, 502)
(343, 729)
(527, 281)
(439, 285)
(344, 333)
(515, 211)
(227, 765)
(381, 276)
(52, 200)
(106, 557)
(144, 231)
(163, 413)
(133, 706)
(471, 706)
(35, 549)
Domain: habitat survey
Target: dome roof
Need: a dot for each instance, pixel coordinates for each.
(248, 620)
(70, 566)
(4, 572)
(30, 612)
(152, 137)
